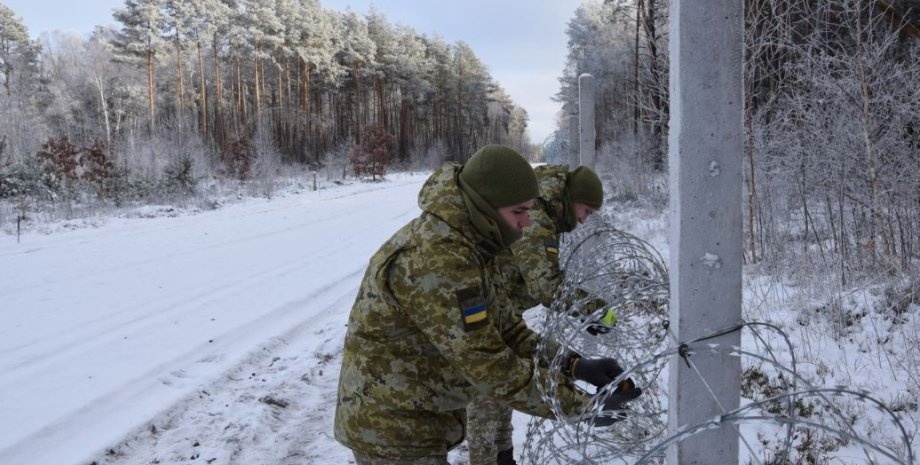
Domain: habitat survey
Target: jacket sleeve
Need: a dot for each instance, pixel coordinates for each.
(537, 258)
(515, 332)
(511, 302)
(445, 292)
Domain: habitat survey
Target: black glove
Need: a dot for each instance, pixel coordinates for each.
(599, 371)
(615, 403)
(596, 328)
(604, 324)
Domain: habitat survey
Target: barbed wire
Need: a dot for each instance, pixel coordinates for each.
(608, 268)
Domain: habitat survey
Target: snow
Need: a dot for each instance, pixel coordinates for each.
(711, 260)
(167, 328)
(214, 336)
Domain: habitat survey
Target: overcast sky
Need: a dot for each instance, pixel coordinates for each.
(522, 42)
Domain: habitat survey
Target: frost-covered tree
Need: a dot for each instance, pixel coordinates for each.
(622, 43)
(410, 68)
(383, 68)
(439, 73)
(318, 71)
(140, 41)
(182, 26)
(265, 35)
(474, 86)
(356, 52)
(18, 53)
(203, 25)
(838, 127)
(310, 79)
(21, 128)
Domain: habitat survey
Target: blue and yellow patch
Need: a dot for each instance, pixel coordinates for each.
(552, 250)
(473, 310)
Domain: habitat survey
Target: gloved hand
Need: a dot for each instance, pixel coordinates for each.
(615, 403)
(598, 371)
(604, 324)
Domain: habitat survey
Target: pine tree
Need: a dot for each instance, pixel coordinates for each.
(18, 53)
(140, 41)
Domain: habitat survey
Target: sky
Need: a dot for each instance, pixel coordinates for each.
(170, 335)
(522, 42)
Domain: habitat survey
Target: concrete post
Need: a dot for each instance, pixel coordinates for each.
(587, 133)
(573, 141)
(705, 155)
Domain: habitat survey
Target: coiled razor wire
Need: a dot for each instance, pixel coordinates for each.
(608, 268)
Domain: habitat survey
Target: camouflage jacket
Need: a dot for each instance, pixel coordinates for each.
(428, 331)
(535, 274)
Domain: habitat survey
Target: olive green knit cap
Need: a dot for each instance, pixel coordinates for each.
(501, 176)
(585, 187)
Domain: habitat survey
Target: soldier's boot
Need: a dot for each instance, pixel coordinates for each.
(506, 457)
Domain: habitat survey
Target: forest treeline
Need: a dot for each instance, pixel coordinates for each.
(238, 89)
(832, 124)
(218, 86)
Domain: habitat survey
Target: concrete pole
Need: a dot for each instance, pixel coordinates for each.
(705, 155)
(587, 133)
(573, 141)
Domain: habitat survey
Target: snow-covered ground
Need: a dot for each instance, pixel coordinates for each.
(212, 336)
(216, 337)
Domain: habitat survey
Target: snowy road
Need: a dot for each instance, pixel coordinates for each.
(110, 332)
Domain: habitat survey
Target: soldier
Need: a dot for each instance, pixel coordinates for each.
(532, 276)
(428, 330)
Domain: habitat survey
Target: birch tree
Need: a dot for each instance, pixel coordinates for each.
(831, 120)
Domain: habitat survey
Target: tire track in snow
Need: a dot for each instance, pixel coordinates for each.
(300, 282)
(231, 384)
(123, 323)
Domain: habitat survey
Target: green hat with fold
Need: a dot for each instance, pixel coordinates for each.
(501, 176)
(585, 187)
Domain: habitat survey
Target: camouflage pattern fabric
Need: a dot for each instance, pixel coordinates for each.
(536, 255)
(529, 276)
(361, 459)
(508, 317)
(489, 430)
(427, 333)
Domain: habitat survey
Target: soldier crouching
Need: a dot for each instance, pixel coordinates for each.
(428, 331)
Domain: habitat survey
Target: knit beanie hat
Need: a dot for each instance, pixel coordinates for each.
(585, 187)
(501, 176)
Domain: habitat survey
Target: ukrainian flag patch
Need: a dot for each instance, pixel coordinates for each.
(552, 250)
(473, 310)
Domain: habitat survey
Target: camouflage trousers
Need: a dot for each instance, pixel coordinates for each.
(361, 459)
(488, 430)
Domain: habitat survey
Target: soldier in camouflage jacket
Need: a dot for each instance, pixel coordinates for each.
(428, 330)
(531, 276)
(566, 200)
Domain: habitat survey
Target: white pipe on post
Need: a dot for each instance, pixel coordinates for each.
(573, 141)
(705, 155)
(587, 132)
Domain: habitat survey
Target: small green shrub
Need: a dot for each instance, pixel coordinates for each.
(179, 177)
